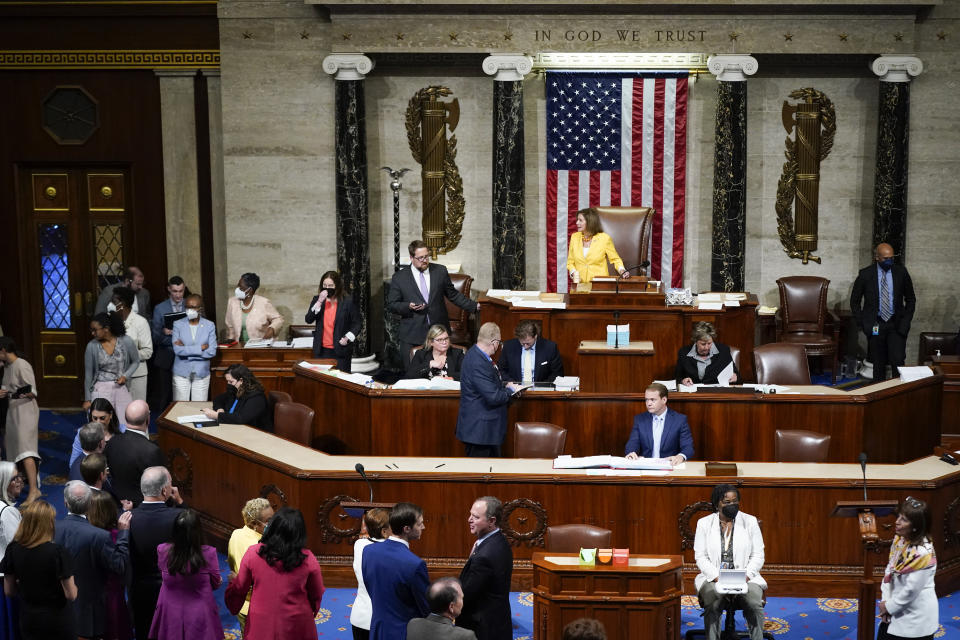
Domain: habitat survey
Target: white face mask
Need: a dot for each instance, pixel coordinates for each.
(111, 308)
(192, 314)
(239, 293)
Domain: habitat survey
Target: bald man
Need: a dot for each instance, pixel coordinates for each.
(882, 303)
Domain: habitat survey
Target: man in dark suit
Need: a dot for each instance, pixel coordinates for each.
(396, 578)
(133, 278)
(161, 376)
(130, 453)
(660, 432)
(486, 575)
(882, 303)
(418, 293)
(94, 557)
(482, 420)
(529, 357)
(445, 598)
(152, 525)
(91, 441)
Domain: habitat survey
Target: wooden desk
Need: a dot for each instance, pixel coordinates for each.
(808, 553)
(587, 316)
(638, 601)
(891, 421)
(271, 365)
(949, 366)
(604, 368)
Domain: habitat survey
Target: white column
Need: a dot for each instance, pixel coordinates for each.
(897, 68)
(217, 189)
(733, 67)
(507, 67)
(180, 190)
(347, 66)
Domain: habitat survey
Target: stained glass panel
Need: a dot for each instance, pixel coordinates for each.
(108, 253)
(54, 275)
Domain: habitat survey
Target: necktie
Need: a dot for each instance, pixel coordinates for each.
(423, 292)
(528, 365)
(885, 310)
(475, 545)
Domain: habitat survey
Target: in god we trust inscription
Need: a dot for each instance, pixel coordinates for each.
(619, 35)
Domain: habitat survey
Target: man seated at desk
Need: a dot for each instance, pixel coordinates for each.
(529, 357)
(702, 361)
(660, 432)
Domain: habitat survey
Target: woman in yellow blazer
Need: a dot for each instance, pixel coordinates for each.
(591, 249)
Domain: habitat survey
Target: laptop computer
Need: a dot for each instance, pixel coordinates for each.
(732, 581)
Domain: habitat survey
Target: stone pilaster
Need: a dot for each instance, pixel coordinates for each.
(893, 134)
(353, 219)
(730, 171)
(509, 217)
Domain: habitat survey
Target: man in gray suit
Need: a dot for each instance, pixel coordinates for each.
(445, 598)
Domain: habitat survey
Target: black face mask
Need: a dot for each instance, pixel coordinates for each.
(730, 510)
(330, 292)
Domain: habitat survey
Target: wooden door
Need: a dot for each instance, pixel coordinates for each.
(75, 230)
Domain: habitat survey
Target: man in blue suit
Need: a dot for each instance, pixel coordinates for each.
(660, 432)
(482, 420)
(95, 556)
(530, 357)
(396, 578)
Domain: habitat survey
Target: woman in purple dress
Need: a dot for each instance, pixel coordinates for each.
(186, 609)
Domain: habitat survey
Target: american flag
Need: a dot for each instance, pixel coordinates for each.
(617, 139)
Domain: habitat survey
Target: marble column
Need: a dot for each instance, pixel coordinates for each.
(730, 171)
(221, 278)
(893, 133)
(353, 219)
(180, 186)
(509, 217)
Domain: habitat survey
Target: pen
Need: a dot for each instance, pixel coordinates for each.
(440, 465)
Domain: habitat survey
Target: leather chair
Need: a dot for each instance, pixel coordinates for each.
(630, 228)
(932, 341)
(735, 356)
(803, 313)
(781, 363)
(570, 538)
(538, 440)
(460, 332)
(798, 445)
(275, 397)
(302, 330)
(293, 421)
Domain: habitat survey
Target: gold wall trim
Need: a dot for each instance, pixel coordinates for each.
(113, 59)
(585, 60)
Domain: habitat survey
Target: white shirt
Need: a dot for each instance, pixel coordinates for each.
(400, 540)
(528, 362)
(658, 432)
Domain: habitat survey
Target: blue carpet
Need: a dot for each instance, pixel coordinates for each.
(787, 618)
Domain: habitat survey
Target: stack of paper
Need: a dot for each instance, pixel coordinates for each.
(612, 462)
(303, 342)
(425, 383)
(315, 367)
(909, 374)
(567, 383)
(258, 344)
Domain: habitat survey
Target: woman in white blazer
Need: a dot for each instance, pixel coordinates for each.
(909, 608)
(729, 539)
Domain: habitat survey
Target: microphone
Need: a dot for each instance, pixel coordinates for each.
(863, 467)
(359, 469)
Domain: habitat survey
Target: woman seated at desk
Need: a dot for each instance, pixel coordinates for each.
(436, 358)
(591, 249)
(702, 361)
(249, 316)
(244, 401)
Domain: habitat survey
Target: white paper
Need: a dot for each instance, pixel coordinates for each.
(724, 376)
(435, 384)
(709, 306)
(614, 462)
(258, 344)
(671, 385)
(620, 328)
(909, 374)
(316, 367)
(685, 388)
(302, 342)
(191, 419)
(731, 303)
(567, 383)
(356, 378)
(498, 293)
(710, 297)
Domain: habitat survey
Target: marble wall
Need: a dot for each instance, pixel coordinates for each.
(279, 177)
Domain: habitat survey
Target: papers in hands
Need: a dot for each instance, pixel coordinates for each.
(724, 376)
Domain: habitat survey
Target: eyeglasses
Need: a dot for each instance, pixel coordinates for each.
(425, 258)
(444, 339)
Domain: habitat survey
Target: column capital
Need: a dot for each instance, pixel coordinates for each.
(897, 68)
(507, 67)
(347, 66)
(732, 67)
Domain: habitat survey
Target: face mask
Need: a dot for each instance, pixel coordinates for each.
(111, 308)
(192, 314)
(731, 510)
(886, 264)
(330, 292)
(239, 293)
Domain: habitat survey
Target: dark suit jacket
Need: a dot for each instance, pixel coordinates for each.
(162, 343)
(143, 301)
(687, 366)
(486, 590)
(865, 299)
(676, 436)
(94, 557)
(397, 581)
(483, 401)
(547, 367)
(420, 363)
(347, 319)
(436, 627)
(252, 409)
(404, 289)
(151, 525)
(128, 455)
